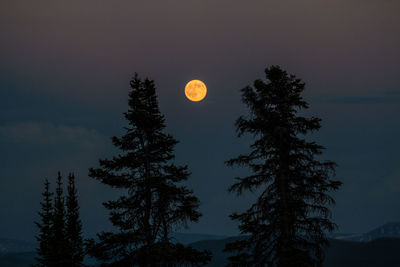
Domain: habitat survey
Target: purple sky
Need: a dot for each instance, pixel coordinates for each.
(64, 78)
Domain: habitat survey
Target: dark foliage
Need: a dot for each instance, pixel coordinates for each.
(153, 202)
(288, 221)
(59, 242)
(60, 236)
(377, 253)
(44, 237)
(73, 225)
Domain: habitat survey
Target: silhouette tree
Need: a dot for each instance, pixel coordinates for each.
(60, 229)
(59, 242)
(75, 252)
(288, 221)
(45, 225)
(154, 201)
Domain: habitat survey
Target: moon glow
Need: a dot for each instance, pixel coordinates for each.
(195, 90)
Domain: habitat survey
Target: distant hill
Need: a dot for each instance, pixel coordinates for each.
(377, 253)
(388, 230)
(382, 252)
(191, 238)
(377, 248)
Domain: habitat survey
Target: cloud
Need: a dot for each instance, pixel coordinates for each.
(385, 97)
(392, 182)
(48, 134)
(392, 93)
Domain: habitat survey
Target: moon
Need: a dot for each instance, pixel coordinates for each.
(195, 90)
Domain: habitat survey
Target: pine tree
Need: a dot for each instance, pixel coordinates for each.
(44, 238)
(287, 223)
(154, 202)
(59, 241)
(75, 252)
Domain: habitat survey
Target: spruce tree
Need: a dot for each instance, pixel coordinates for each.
(59, 242)
(153, 202)
(75, 252)
(288, 222)
(44, 238)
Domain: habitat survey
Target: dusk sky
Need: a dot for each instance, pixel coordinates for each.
(65, 68)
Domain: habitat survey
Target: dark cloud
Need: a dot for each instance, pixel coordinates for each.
(384, 97)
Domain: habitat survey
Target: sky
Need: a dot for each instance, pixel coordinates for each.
(65, 68)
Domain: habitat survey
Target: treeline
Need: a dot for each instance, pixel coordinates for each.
(60, 229)
(286, 225)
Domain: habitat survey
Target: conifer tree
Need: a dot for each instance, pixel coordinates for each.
(44, 238)
(154, 201)
(75, 252)
(59, 241)
(287, 223)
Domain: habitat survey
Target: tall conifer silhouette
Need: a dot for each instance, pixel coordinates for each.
(154, 201)
(73, 225)
(45, 225)
(59, 243)
(60, 228)
(288, 221)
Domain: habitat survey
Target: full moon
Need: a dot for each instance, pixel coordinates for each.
(195, 90)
